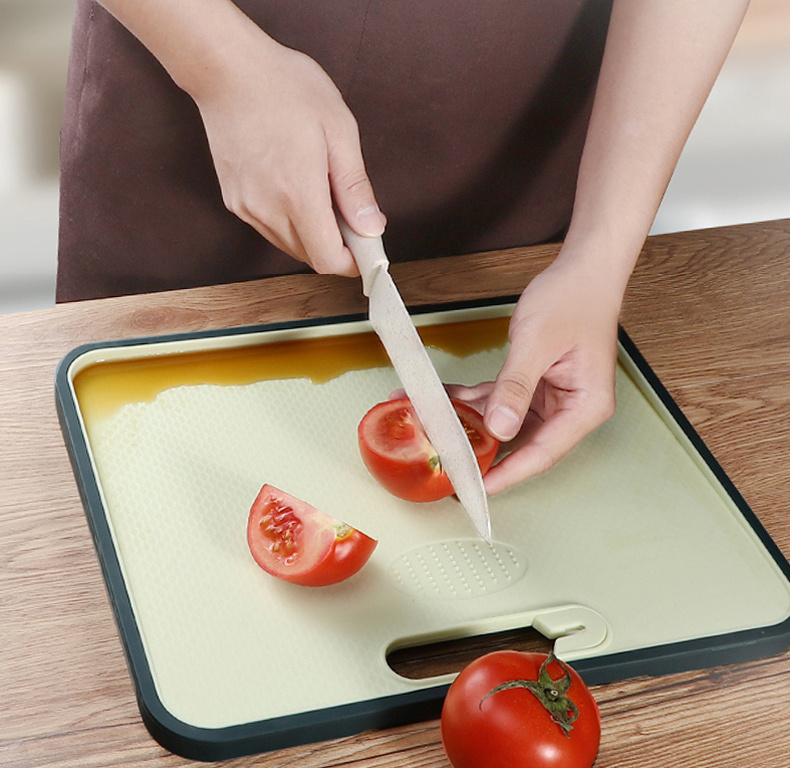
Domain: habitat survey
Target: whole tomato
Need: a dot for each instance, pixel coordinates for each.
(509, 709)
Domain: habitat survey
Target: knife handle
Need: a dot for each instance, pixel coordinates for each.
(368, 252)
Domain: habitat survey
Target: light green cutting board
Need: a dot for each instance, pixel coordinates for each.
(630, 544)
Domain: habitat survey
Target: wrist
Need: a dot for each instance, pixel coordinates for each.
(198, 43)
(598, 265)
(216, 45)
(602, 252)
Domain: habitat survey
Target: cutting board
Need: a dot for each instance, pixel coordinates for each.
(635, 555)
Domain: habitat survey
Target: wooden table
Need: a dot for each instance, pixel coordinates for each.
(708, 309)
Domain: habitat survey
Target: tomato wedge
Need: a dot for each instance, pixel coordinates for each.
(399, 455)
(295, 542)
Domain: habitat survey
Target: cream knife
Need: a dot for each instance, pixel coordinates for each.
(394, 326)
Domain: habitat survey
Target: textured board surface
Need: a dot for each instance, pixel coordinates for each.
(630, 543)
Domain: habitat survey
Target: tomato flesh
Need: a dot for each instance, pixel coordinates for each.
(298, 543)
(511, 727)
(398, 453)
(280, 525)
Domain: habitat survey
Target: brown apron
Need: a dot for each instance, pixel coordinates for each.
(472, 116)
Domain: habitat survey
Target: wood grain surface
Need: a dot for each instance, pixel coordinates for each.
(708, 309)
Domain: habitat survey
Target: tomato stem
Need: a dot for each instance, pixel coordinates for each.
(552, 694)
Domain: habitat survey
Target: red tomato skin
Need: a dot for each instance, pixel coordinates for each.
(345, 557)
(327, 551)
(412, 481)
(416, 477)
(512, 728)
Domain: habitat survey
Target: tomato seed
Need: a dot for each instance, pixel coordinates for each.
(281, 525)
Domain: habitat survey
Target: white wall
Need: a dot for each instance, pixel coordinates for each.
(34, 39)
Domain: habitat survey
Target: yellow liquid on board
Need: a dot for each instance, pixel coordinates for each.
(104, 387)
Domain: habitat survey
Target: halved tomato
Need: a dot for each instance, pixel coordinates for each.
(298, 543)
(399, 455)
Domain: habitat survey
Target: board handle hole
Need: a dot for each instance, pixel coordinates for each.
(449, 657)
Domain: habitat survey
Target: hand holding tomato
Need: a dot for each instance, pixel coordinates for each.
(295, 542)
(558, 381)
(509, 709)
(397, 452)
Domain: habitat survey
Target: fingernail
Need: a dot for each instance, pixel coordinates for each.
(503, 423)
(370, 221)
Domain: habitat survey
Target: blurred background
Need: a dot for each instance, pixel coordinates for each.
(735, 169)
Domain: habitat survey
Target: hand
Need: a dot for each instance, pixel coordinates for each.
(285, 145)
(557, 382)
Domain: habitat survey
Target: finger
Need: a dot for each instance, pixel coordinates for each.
(321, 237)
(468, 393)
(267, 209)
(512, 392)
(287, 244)
(304, 227)
(475, 396)
(550, 441)
(544, 442)
(351, 187)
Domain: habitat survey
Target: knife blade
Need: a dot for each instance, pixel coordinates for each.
(394, 326)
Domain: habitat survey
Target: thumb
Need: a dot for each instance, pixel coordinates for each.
(511, 396)
(352, 190)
